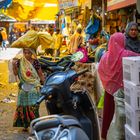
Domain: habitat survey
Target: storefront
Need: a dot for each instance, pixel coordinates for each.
(119, 13)
(117, 4)
(69, 10)
(6, 21)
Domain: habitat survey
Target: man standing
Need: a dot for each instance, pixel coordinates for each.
(50, 49)
(4, 38)
(76, 40)
(58, 42)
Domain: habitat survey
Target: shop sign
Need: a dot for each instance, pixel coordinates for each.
(43, 22)
(116, 4)
(64, 4)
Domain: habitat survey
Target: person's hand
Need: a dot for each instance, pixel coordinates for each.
(14, 61)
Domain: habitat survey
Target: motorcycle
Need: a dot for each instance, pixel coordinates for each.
(72, 114)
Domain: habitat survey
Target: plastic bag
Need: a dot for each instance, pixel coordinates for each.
(101, 101)
(117, 127)
(92, 27)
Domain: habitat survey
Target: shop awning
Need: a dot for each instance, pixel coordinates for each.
(4, 18)
(24, 10)
(117, 4)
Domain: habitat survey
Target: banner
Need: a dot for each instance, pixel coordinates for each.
(64, 4)
(117, 4)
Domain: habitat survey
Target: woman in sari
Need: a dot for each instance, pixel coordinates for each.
(111, 74)
(131, 37)
(30, 76)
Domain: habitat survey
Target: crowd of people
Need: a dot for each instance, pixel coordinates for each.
(110, 70)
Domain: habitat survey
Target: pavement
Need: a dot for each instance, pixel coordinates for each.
(7, 109)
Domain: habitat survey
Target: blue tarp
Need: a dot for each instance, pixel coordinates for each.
(93, 26)
(5, 3)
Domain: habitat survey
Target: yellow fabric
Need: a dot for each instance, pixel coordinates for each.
(23, 10)
(4, 35)
(25, 66)
(58, 41)
(46, 40)
(32, 39)
(75, 41)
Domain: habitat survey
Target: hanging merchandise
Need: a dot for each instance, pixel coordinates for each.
(5, 3)
(93, 25)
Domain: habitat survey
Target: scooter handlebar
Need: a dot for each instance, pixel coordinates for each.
(82, 71)
(40, 99)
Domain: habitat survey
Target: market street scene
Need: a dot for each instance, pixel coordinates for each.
(69, 70)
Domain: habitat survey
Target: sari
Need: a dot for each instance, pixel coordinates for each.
(28, 93)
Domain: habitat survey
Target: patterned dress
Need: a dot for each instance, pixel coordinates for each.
(26, 110)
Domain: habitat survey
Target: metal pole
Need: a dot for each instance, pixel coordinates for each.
(138, 6)
(103, 14)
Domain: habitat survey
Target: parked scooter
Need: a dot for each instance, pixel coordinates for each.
(49, 66)
(72, 114)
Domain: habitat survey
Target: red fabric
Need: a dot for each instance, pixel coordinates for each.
(110, 66)
(108, 113)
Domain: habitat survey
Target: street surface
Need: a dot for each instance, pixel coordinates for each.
(7, 108)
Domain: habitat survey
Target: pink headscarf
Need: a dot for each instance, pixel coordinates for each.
(110, 66)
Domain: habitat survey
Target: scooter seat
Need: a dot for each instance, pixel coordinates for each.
(51, 123)
(70, 121)
(45, 124)
(45, 67)
(50, 63)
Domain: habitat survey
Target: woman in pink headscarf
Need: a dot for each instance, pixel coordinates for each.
(111, 74)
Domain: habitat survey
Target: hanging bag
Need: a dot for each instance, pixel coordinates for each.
(93, 26)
